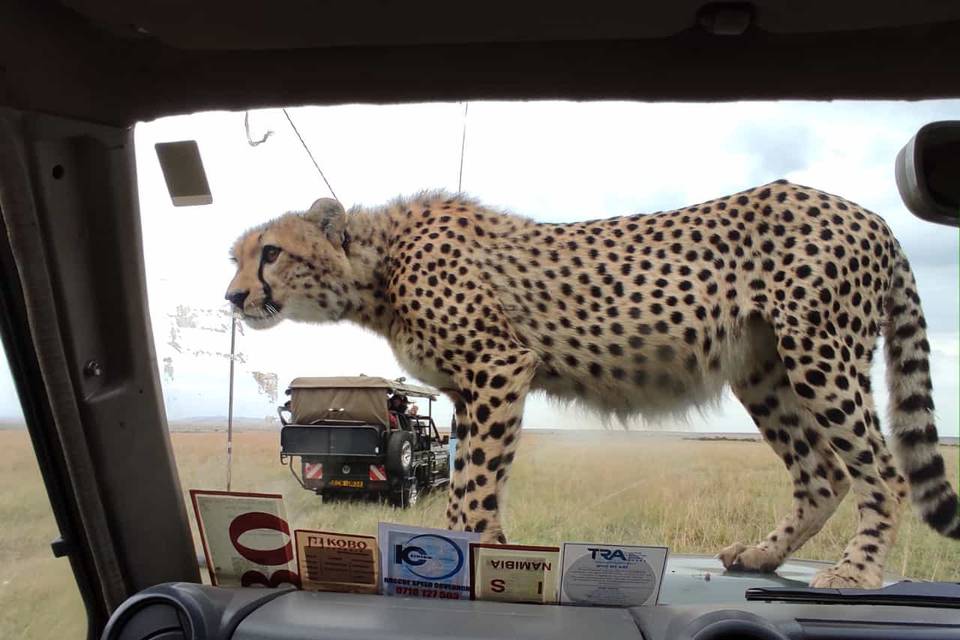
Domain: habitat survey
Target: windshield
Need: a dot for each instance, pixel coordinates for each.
(698, 479)
(39, 597)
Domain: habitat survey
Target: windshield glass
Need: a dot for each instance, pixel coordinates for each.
(695, 481)
(38, 593)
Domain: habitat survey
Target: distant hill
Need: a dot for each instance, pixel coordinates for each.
(219, 423)
(189, 424)
(214, 423)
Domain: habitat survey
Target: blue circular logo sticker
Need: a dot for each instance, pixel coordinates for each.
(430, 557)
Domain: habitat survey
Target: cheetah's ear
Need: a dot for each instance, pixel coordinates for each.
(329, 215)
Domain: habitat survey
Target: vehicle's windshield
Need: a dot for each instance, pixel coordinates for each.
(696, 481)
(38, 593)
(700, 475)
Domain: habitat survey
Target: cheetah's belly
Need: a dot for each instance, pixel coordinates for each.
(420, 369)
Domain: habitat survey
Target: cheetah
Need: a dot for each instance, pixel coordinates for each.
(779, 291)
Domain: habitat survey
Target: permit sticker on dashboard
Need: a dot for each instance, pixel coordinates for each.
(425, 563)
(515, 573)
(611, 575)
(246, 538)
(337, 562)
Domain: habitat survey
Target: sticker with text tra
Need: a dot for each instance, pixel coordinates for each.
(425, 563)
(337, 562)
(515, 573)
(246, 538)
(611, 575)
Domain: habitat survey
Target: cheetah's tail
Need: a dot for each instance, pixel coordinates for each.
(911, 405)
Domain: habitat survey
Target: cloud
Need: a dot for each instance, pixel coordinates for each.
(776, 149)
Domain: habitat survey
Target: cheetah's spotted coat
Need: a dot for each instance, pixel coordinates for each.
(780, 291)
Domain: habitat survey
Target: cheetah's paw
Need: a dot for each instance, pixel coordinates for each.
(739, 557)
(846, 576)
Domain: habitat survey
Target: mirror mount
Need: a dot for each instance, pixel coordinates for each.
(928, 173)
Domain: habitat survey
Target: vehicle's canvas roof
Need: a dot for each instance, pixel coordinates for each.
(363, 382)
(118, 62)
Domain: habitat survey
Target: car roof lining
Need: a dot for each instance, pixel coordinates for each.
(226, 25)
(119, 63)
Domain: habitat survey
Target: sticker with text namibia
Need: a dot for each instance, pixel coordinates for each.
(515, 573)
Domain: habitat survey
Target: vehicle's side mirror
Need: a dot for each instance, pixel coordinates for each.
(928, 173)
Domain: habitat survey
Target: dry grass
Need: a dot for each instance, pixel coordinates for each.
(38, 596)
(693, 496)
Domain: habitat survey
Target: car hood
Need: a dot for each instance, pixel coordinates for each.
(694, 579)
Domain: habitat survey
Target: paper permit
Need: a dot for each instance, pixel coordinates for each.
(611, 575)
(337, 562)
(515, 573)
(246, 538)
(425, 563)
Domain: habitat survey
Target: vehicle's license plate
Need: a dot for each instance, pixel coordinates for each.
(353, 484)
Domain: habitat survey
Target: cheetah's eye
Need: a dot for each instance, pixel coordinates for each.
(270, 253)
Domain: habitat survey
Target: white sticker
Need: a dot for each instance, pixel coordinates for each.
(611, 575)
(246, 538)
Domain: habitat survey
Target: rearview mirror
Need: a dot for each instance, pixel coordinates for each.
(928, 173)
(183, 172)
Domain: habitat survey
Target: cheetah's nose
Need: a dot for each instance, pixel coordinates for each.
(237, 298)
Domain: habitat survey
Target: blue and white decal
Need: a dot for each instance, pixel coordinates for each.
(425, 563)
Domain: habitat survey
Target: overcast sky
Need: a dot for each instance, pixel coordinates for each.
(552, 161)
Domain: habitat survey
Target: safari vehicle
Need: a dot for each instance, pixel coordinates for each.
(351, 443)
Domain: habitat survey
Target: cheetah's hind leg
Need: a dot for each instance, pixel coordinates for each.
(848, 423)
(819, 481)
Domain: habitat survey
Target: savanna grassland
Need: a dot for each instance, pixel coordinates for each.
(693, 496)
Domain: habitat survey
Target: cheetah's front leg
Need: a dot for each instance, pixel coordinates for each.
(493, 395)
(458, 474)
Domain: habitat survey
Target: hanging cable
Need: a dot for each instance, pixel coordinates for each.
(246, 128)
(463, 146)
(307, 149)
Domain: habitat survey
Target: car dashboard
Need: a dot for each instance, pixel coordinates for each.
(182, 611)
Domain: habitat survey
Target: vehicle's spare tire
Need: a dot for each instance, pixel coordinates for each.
(400, 453)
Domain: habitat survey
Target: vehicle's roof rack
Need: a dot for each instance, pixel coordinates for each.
(364, 382)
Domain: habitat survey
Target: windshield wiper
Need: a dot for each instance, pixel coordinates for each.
(914, 594)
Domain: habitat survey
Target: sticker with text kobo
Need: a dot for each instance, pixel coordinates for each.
(337, 562)
(425, 563)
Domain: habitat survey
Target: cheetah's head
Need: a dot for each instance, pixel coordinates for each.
(294, 266)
